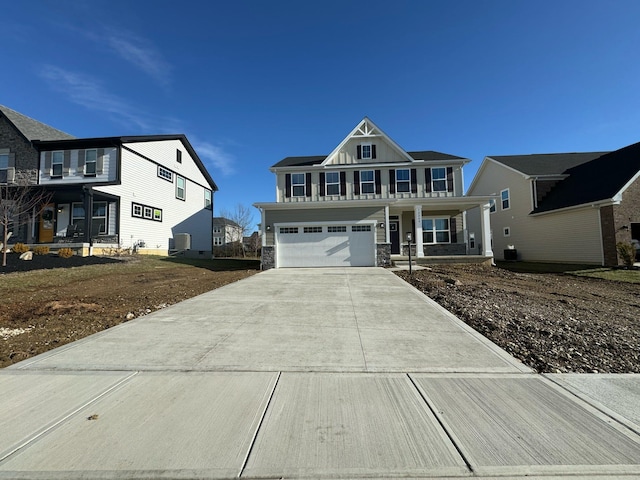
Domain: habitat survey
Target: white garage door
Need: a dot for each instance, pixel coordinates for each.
(325, 245)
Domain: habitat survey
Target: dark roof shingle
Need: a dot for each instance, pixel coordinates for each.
(33, 129)
(547, 163)
(426, 155)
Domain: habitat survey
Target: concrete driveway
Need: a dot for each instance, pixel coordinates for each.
(304, 373)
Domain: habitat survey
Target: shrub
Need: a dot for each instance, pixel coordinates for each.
(20, 248)
(41, 250)
(627, 253)
(65, 253)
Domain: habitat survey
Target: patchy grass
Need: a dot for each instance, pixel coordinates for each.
(604, 273)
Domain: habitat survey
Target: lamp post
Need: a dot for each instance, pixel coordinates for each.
(409, 237)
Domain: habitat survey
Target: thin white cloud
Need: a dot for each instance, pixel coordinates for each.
(213, 156)
(139, 52)
(90, 93)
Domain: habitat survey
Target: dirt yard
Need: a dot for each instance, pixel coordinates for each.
(551, 322)
(45, 308)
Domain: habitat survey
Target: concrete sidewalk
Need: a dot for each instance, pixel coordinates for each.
(307, 373)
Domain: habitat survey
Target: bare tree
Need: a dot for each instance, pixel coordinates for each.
(19, 203)
(243, 217)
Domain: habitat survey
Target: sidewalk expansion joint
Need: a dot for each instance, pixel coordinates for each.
(442, 424)
(255, 434)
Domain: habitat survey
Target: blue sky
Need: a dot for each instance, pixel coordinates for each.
(252, 82)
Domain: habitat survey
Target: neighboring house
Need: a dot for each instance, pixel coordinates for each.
(355, 206)
(225, 232)
(563, 207)
(148, 193)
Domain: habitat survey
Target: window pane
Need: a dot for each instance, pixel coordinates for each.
(298, 191)
(442, 237)
(57, 157)
(366, 176)
(100, 209)
(402, 175)
(78, 211)
(332, 177)
(440, 186)
(367, 188)
(297, 179)
(366, 151)
(427, 237)
(4, 161)
(442, 224)
(91, 155)
(439, 173)
(333, 189)
(427, 224)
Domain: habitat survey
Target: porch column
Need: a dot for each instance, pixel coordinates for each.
(417, 215)
(485, 223)
(387, 233)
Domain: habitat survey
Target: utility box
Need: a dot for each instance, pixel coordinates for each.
(511, 254)
(182, 241)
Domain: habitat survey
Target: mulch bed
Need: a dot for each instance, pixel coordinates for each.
(40, 262)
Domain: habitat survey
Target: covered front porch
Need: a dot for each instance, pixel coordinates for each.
(437, 229)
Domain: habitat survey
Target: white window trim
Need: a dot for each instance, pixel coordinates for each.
(95, 163)
(408, 181)
(218, 241)
(208, 199)
(368, 182)
(492, 206)
(370, 145)
(435, 231)
(184, 188)
(327, 183)
(61, 163)
(304, 185)
(502, 200)
(433, 180)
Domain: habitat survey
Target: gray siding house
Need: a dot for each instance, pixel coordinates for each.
(357, 205)
(561, 207)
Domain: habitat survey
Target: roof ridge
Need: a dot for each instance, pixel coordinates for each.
(32, 128)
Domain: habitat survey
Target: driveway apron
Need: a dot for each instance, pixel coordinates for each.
(300, 373)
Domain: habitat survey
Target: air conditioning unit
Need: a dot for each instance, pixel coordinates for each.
(182, 241)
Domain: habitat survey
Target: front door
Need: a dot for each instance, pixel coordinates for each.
(45, 232)
(394, 233)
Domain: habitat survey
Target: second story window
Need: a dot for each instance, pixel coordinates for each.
(492, 206)
(165, 174)
(367, 181)
(504, 197)
(438, 179)
(208, 203)
(366, 151)
(4, 167)
(57, 162)
(403, 181)
(90, 161)
(332, 183)
(181, 191)
(297, 185)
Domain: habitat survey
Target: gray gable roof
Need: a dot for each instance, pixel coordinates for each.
(33, 129)
(593, 181)
(547, 163)
(425, 155)
(222, 221)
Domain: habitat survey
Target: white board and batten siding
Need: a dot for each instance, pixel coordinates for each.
(141, 185)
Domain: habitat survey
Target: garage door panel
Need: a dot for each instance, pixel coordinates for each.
(326, 249)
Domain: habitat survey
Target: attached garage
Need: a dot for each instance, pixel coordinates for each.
(328, 245)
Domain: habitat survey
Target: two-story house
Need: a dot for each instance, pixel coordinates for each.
(227, 237)
(357, 205)
(148, 193)
(561, 207)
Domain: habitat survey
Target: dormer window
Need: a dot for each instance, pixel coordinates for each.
(90, 159)
(57, 162)
(366, 151)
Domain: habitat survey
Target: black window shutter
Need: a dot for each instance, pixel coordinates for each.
(47, 162)
(343, 183)
(81, 157)
(373, 151)
(427, 175)
(392, 181)
(356, 182)
(449, 179)
(308, 185)
(453, 230)
(287, 187)
(378, 182)
(359, 152)
(66, 162)
(322, 184)
(414, 181)
(12, 160)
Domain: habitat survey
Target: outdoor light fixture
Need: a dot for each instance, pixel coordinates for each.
(409, 238)
(268, 228)
(381, 225)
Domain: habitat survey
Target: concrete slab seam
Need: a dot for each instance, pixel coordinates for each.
(255, 434)
(52, 426)
(452, 437)
(585, 398)
(355, 316)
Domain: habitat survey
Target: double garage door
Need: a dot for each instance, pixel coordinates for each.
(345, 245)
